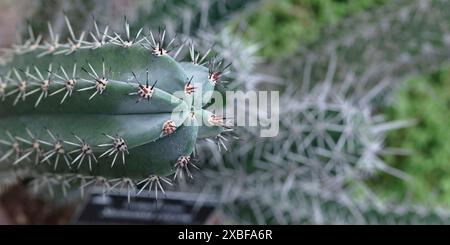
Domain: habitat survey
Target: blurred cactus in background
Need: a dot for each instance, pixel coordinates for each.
(396, 40)
(332, 138)
(328, 146)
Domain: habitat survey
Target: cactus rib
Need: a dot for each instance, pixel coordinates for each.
(75, 110)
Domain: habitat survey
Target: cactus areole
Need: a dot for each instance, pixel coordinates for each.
(104, 110)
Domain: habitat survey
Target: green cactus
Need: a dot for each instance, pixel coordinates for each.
(113, 109)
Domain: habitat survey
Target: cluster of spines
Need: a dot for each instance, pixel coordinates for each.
(216, 67)
(145, 91)
(217, 70)
(23, 148)
(30, 81)
(49, 182)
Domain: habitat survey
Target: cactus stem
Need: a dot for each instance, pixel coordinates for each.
(182, 165)
(169, 127)
(118, 146)
(154, 182)
(68, 78)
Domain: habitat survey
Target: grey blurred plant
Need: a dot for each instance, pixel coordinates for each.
(332, 137)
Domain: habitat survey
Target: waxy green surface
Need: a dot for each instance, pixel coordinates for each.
(114, 112)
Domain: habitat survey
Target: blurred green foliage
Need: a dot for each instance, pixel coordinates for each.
(281, 27)
(427, 99)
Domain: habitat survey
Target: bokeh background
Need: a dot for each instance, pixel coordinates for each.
(365, 95)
